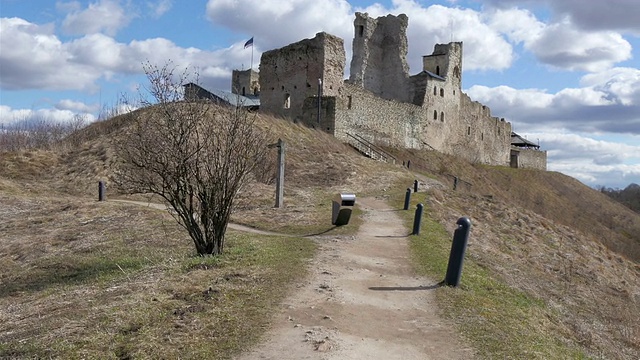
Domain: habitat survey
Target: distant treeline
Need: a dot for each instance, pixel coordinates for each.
(629, 196)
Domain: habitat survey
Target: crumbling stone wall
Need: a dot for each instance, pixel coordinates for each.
(380, 101)
(245, 82)
(528, 158)
(290, 74)
(379, 62)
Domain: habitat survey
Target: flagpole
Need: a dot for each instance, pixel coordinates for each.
(251, 56)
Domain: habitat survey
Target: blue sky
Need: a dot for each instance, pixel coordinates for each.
(564, 74)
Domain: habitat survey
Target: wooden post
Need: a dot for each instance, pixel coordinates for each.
(280, 175)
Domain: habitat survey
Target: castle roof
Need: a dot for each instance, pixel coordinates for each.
(434, 75)
(519, 141)
(223, 96)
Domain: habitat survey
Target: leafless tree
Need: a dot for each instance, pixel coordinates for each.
(194, 154)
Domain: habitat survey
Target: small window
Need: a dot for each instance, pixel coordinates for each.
(438, 70)
(243, 91)
(469, 130)
(456, 72)
(435, 91)
(454, 92)
(435, 115)
(349, 101)
(287, 101)
(482, 136)
(442, 92)
(442, 116)
(360, 30)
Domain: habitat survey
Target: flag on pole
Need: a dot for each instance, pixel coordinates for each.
(249, 43)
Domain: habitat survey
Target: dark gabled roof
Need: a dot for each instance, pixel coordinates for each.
(434, 75)
(519, 141)
(224, 96)
(236, 99)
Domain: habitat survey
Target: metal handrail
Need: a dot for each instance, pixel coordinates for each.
(375, 150)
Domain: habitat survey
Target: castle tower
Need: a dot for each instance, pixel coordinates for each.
(446, 61)
(291, 74)
(245, 82)
(379, 62)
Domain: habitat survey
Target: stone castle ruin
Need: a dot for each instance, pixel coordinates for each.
(381, 102)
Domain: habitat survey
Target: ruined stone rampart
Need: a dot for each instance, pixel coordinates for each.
(528, 159)
(379, 62)
(245, 82)
(381, 102)
(290, 74)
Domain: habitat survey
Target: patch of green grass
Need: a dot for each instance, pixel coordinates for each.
(68, 271)
(144, 294)
(314, 219)
(499, 321)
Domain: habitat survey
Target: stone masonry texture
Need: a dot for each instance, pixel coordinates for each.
(380, 101)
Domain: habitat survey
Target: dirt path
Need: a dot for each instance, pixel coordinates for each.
(237, 227)
(362, 301)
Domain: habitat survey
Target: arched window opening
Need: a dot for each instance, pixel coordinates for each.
(435, 115)
(360, 30)
(243, 91)
(438, 70)
(442, 116)
(456, 72)
(442, 92)
(287, 101)
(469, 130)
(435, 90)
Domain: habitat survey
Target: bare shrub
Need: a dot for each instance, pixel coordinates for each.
(38, 133)
(194, 154)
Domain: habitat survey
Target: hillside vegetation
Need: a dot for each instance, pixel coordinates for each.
(629, 196)
(114, 280)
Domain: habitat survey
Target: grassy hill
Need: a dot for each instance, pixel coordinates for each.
(111, 280)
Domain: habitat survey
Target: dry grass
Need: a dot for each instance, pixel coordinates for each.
(552, 266)
(572, 290)
(81, 279)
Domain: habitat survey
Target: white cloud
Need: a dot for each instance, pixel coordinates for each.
(620, 84)
(623, 15)
(594, 162)
(484, 48)
(609, 101)
(76, 106)
(9, 116)
(103, 16)
(33, 57)
(561, 44)
(160, 7)
(276, 24)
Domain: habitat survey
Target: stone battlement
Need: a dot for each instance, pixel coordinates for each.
(381, 102)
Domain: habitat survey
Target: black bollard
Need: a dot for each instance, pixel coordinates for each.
(455, 182)
(417, 220)
(458, 247)
(415, 186)
(101, 192)
(407, 199)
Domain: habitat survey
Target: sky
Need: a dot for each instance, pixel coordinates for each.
(565, 74)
